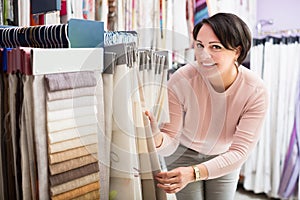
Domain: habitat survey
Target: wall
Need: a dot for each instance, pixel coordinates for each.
(284, 13)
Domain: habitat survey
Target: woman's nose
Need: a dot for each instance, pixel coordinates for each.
(204, 55)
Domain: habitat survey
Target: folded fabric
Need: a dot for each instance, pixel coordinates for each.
(65, 81)
(72, 164)
(71, 103)
(77, 192)
(71, 185)
(70, 113)
(71, 133)
(74, 174)
(71, 123)
(73, 143)
(73, 153)
(91, 195)
(71, 93)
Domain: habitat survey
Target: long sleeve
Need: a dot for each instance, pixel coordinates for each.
(225, 124)
(245, 137)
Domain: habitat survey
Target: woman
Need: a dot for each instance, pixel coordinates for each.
(217, 108)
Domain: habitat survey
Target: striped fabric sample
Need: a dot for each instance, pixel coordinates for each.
(201, 11)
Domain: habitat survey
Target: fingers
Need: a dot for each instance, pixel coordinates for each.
(170, 181)
(172, 188)
(173, 181)
(149, 115)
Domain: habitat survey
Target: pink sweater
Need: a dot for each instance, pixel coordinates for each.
(225, 124)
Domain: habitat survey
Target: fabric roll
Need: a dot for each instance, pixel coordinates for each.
(77, 192)
(149, 162)
(15, 106)
(71, 123)
(74, 174)
(7, 159)
(72, 133)
(65, 81)
(91, 195)
(108, 99)
(73, 153)
(71, 185)
(26, 192)
(124, 159)
(103, 140)
(71, 103)
(70, 94)
(145, 170)
(28, 134)
(72, 164)
(70, 113)
(39, 113)
(73, 143)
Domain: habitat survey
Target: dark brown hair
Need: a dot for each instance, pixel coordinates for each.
(230, 30)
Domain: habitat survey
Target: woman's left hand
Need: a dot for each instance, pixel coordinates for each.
(175, 180)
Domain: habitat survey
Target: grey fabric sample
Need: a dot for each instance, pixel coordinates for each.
(65, 81)
(74, 184)
(74, 174)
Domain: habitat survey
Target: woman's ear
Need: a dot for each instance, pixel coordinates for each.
(238, 51)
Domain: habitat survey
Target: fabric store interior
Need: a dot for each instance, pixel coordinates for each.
(77, 75)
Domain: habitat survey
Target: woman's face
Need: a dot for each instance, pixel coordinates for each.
(211, 54)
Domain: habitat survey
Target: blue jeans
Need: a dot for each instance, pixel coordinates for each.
(222, 188)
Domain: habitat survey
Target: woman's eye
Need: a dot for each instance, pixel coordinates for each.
(217, 47)
(199, 45)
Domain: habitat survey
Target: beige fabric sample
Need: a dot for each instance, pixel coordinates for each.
(71, 123)
(72, 164)
(71, 103)
(70, 94)
(91, 195)
(73, 143)
(59, 115)
(77, 192)
(72, 133)
(73, 153)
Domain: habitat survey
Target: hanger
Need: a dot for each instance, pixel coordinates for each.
(109, 62)
(121, 52)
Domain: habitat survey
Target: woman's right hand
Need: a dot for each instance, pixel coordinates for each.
(158, 137)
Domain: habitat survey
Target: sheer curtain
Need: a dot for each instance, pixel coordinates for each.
(278, 64)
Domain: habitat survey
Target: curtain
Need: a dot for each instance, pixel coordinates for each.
(278, 64)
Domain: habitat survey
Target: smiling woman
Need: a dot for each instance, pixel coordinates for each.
(217, 107)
